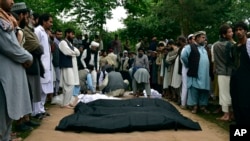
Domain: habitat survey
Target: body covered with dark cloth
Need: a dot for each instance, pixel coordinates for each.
(139, 114)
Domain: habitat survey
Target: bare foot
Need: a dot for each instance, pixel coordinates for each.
(225, 117)
(17, 139)
(194, 111)
(67, 106)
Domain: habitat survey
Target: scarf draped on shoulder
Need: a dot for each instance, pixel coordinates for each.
(9, 18)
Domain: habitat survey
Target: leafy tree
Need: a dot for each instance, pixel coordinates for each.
(47, 6)
(170, 18)
(92, 14)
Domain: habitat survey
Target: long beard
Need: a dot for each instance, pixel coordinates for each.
(93, 51)
(70, 39)
(202, 44)
(22, 23)
(140, 55)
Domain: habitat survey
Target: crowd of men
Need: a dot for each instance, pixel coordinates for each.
(36, 63)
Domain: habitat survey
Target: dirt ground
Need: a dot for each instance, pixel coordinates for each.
(46, 132)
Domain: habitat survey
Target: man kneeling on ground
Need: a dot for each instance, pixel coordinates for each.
(113, 84)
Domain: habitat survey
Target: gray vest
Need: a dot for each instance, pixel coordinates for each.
(115, 81)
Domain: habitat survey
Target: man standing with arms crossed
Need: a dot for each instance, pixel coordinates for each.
(14, 92)
(68, 64)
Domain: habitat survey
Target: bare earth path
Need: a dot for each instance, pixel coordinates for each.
(46, 132)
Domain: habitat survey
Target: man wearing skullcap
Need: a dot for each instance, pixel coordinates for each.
(195, 58)
(90, 56)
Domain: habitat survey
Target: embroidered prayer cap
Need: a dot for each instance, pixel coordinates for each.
(190, 35)
(94, 44)
(199, 33)
(19, 7)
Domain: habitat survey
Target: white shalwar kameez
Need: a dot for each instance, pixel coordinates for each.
(47, 80)
(69, 76)
(184, 89)
(176, 77)
(91, 62)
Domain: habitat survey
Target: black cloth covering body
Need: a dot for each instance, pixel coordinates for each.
(139, 114)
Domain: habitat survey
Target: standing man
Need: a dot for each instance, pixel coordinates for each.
(85, 41)
(36, 70)
(240, 78)
(56, 58)
(184, 69)
(191, 39)
(68, 64)
(14, 91)
(90, 56)
(195, 58)
(223, 67)
(112, 59)
(45, 23)
(116, 45)
(170, 60)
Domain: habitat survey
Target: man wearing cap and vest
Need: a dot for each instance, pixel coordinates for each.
(90, 56)
(195, 58)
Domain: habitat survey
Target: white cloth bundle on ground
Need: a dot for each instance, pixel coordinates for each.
(154, 94)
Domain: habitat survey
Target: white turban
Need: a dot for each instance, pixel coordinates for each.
(95, 44)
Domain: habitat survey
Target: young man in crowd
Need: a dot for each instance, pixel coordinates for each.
(240, 78)
(68, 64)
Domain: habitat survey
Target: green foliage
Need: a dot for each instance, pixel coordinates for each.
(47, 6)
(137, 8)
(171, 18)
(53, 7)
(146, 18)
(92, 14)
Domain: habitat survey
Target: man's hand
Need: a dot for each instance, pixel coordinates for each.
(27, 64)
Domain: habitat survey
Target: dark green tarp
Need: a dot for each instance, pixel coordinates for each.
(140, 114)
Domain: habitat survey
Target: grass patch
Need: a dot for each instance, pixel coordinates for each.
(212, 118)
(213, 106)
(25, 134)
